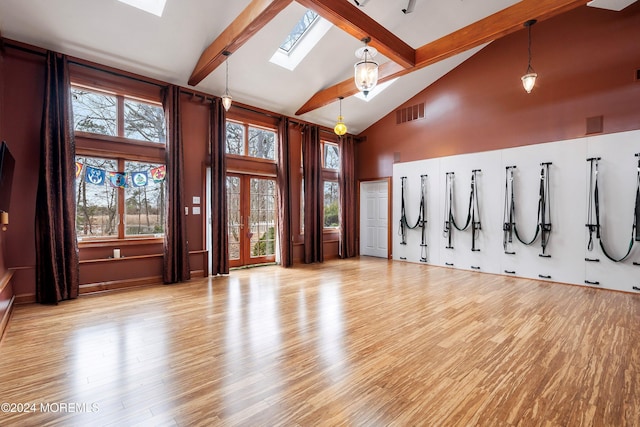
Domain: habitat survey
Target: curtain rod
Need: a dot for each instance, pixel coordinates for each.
(14, 45)
(115, 73)
(4, 43)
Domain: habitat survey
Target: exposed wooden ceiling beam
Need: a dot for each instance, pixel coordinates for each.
(346, 16)
(251, 20)
(490, 28)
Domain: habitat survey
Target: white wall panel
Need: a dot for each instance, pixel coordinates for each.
(617, 184)
(568, 177)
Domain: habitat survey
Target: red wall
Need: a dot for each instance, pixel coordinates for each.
(23, 80)
(22, 89)
(586, 62)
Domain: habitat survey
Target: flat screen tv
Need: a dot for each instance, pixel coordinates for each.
(7, 164)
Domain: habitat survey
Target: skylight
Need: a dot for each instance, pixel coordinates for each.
(155, 7)
(299, 42)
(376, 90)
(298, 31)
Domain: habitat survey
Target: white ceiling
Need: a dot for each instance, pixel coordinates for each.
(168, 47)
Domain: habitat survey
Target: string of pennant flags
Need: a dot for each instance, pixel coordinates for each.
(97, 176)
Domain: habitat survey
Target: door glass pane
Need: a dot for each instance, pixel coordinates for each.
(234, 218)
(263, 217)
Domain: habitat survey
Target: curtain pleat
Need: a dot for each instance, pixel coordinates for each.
(284, 197)
(313, 195)
(219, 236)
(57, 267)
(176, 250)
(347, 185)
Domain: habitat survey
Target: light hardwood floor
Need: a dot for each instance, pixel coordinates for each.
(363, 342)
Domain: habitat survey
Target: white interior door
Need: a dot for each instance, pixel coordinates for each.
(374, 218)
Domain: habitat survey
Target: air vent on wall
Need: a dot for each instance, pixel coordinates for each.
(595, 125)
(407, 114)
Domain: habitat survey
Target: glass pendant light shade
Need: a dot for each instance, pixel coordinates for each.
(529, 81)
(340, 128)
(365, 71)
(226, 101)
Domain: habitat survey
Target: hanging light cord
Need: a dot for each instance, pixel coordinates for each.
(226, 85)
(529, 69)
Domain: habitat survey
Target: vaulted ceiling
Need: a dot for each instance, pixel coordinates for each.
(185, 45)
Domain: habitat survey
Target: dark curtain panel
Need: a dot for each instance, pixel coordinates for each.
(284, 199)
(313, 195)
(176, 251)
(347, 185)
(57, 270)
(219, 236)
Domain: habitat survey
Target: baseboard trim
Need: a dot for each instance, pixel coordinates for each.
(90, 288)
(4, 323)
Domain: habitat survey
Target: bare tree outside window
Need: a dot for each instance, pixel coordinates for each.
(94, 112)
(331, 156)
(235, 138)
(262, 143)
(144, 121)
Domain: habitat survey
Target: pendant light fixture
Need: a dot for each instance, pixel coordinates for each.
(529, 79)
(366, 70)
(226, 98)
(340, 128)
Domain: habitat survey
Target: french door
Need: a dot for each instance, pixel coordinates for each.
(251, 208)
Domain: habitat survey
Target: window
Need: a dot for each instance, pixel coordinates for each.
(330, 166)
(120, 172)
(112, 204)
(299, 30)
(331, 156)
(144, 199)
(235, 138)
(331, 204)
(96, 202)
(94, 112)
(102, 113)
(301, 40)
(260, 144)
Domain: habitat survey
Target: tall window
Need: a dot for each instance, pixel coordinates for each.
(331, 204)
(120, 175)
(330, 168)
(252, 141)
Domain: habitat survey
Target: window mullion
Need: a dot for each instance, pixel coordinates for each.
(246, 139)
(121, 202)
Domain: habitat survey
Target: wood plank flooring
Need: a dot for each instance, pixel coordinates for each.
(364, 342)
